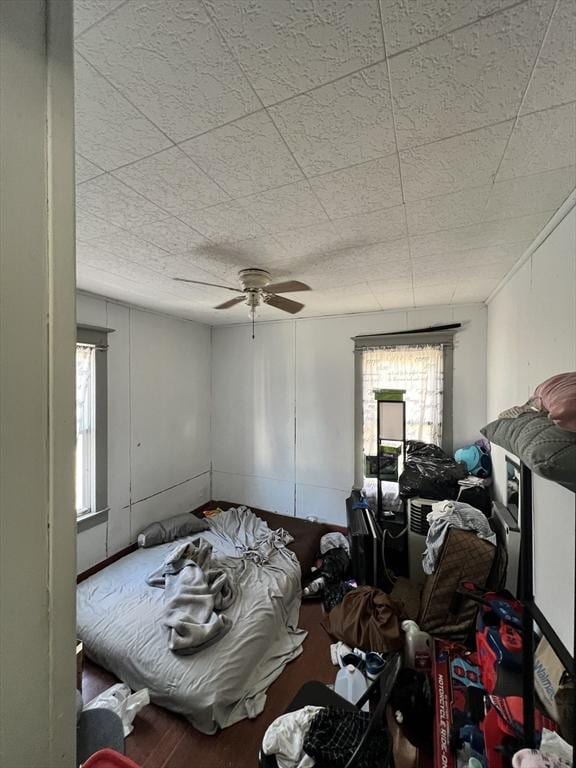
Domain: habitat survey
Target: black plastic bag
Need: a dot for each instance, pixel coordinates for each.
(431, 478)
(416, 448)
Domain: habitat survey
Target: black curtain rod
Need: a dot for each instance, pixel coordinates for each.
(430, 329)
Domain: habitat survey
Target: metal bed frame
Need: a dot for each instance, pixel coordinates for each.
(532, 613)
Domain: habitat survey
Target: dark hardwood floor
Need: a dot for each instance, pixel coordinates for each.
(163, 740)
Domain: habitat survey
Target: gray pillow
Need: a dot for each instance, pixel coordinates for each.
(172, 528)
(545, 448)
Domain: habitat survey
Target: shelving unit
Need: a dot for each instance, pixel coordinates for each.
(390, 439)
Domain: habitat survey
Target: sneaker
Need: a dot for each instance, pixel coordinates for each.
(337, 650)
(374, 665)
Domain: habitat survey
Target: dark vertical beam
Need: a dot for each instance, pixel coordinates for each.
(527, 598)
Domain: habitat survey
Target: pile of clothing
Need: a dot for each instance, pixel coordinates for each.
(452, 514)
(333, 566)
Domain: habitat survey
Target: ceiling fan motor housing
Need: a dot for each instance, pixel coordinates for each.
(254, 279)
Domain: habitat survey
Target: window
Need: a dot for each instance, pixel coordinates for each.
(85, 429)
(91, 424)
(419, 363)
(417, 369)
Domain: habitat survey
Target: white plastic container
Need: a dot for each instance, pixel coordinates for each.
(351, 684)
(418, 648)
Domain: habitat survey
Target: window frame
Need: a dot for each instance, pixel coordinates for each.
(444, 338)
(98, 337)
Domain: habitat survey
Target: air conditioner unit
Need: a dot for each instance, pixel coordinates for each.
(417, 530)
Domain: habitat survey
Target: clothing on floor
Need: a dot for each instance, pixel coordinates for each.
(196, 589)
(285, 738)
(334, 540)
(333, 594)
(335, 733)
(528, 758)
(366, 618)
(452, 514)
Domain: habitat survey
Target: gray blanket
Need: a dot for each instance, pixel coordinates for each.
(120, 619)
(196, 589)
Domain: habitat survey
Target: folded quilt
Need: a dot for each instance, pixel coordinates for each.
(195, 591)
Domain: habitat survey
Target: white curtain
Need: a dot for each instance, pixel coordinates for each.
(84, 424)
(418, 369)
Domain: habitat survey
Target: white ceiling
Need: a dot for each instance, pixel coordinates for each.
(388, 153)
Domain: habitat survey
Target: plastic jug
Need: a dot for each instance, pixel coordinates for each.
(418, 648)
(351, 684)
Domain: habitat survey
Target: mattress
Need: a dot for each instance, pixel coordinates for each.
(119, 622)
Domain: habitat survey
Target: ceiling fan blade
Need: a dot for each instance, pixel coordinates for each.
(230, 303)
(212, 285)
(287, 305)
(288, 287)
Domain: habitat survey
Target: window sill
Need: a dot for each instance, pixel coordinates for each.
(85, 522)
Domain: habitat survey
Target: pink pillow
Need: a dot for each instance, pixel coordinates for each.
(557, 396)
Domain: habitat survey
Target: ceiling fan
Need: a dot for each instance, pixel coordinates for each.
(257, 288)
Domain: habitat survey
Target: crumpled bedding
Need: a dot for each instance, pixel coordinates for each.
(196, 590)
(120, 621)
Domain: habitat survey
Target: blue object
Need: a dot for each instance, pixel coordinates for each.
(476, 460)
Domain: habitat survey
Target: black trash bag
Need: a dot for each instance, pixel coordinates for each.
(431, 478)
(416, 448)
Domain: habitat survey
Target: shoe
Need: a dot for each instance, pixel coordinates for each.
(337, 650)
(374, 665)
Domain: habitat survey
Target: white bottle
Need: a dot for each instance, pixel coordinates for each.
(351, 684)
(418, 648)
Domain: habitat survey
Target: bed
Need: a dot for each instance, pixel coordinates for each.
(119, 622)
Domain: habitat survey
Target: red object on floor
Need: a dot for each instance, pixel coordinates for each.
(109, 758)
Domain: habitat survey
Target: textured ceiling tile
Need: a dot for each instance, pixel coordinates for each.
(244, 157)
(476, 236)
(309, 240)
(289, 46)
(122, 247)
(88, 12)
(530, 194)
(172, 180)
(467, 79)
(474, 290)
(346, 301)
(360, 189)
(109, 130)
(542, 141)
(447, 211)
(434, 294)
(228, 222)
(554, 79)
(285, 208)
(171, 235)
(226, 259)
(85, 170)
(109, 199)
(341, 124)
(375, 227)
(169, 60)
(395, 298)
(407, 24)
(453, 164)
(389, 261)
(89, 227)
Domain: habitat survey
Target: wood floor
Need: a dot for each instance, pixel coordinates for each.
(163, 740)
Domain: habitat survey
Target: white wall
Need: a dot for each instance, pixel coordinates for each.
(158, 421)
(283, 404)
(532, 336)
